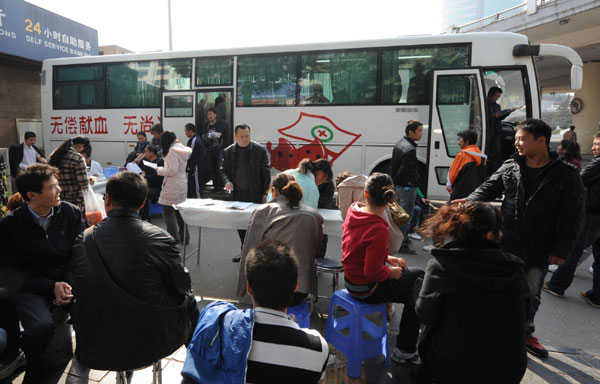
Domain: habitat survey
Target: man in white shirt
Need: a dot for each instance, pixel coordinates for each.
(22, 155)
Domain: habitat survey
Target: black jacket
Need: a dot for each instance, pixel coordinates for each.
(591, 181)
(213, 144)
(470, 295)
(549, 221)
(36, 259)
(196, 160)
(137, 315)
(404, 169)
(259, 174)
(15, 156)
(153, 179)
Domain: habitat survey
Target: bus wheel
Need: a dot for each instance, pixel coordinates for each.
(383, 167)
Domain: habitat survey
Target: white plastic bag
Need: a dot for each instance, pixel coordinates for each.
(94, 207)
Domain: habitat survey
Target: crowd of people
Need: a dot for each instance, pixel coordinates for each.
(129, 296)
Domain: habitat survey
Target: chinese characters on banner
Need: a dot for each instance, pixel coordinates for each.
(89, 126)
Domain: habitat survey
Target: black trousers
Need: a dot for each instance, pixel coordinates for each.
(402, 291)
(9, 321)
(216, 159)
(246, 197)
(35, 314)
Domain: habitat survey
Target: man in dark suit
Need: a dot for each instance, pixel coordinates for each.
(195, 164)
(21, 155)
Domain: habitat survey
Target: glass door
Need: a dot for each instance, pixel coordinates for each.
(458, 104)
(221, 101)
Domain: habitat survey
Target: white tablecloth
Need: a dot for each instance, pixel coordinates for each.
(216, 214)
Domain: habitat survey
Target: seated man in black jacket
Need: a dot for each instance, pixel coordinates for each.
(36, 246)
(132, 306)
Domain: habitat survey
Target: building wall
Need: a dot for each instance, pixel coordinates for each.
(19, 95)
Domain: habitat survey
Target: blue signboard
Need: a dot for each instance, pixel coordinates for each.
(34, 33)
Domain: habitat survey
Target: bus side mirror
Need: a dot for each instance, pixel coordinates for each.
(576, 77)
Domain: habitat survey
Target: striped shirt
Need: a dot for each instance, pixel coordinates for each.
(282, 352)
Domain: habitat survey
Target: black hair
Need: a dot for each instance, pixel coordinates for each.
(57, 155)
(494, 90)
(29, 134)
(341, 177)
(287, 185)
(211, 109)
(572, 127)
(538, 128)
(572, 150)
(469, 136)
(127, 190)
(87, 151)
(241, 126)
(152, 148)
(412, 125)
(272, 273)
(324, 166)
(464, 225)
(166, 140)
(141, 133)
(596, 135)
(306, 165)
(32, 178)
(380, 189)
(157, 128)
(191, 127)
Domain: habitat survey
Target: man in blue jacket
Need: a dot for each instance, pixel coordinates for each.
(259, 345)
(36, 247)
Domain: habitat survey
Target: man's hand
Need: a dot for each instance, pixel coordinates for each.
(229, 186)
(42, 160)
(396, 261)
(395, 273)
(459, 201)
(62, 293)
(264, 199)
(426, 201)
(555, 260)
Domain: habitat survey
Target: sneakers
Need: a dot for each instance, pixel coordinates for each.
(415, 236)
(546, 288)
(405, 249)
(552, 268)
(591, 269)
(237, 258)
(533, 346)
(585, 297)
(6, 370)
(399, 356)
(428, 248)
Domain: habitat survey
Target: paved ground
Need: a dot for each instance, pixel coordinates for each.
(568, 326)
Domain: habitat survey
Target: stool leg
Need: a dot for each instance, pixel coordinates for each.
(121, 377)
(157, 372)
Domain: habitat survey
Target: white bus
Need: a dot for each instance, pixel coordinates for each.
(345, 101)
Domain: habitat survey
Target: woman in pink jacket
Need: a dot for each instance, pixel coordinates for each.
(174, 187)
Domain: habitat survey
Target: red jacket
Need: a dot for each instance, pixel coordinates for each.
(365, 247)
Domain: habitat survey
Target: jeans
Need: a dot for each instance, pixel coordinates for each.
(35, 313)
(590, 235)
(406, 199)
(594, 293)
(175, 224)
(3, 340)
(535, 281)
(415, 217)
(401, 291)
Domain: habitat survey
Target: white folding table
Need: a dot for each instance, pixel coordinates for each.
(228, 215)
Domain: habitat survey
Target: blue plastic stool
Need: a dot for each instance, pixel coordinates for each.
(155, 209)
(110, 171)
(354, 346)
(302, 313)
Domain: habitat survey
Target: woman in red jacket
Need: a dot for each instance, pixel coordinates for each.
(365, 252)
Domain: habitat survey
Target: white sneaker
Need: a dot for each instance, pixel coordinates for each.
(552, 268)
(591, 269)
(415, 236)
(428, 248)
(402, 357)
